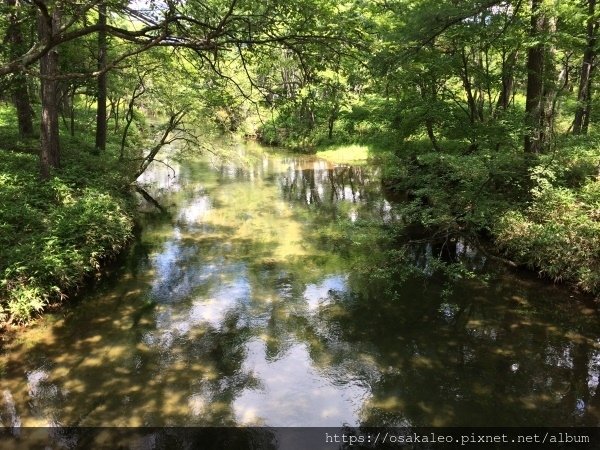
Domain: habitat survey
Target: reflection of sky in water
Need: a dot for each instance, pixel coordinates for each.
(194, 211)
(292, 388)
(560, 357)
(160, 177)
(176, 273)
(594, 370)
(211, 308)
(449, 311)
(317, 294)
(9, 412)
(294, 382)
(292, 392)
(43, 395)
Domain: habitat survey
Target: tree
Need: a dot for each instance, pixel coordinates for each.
(584, 97)
(19, 91)
(508, 79)
(48, 23)
(206, 30)
(539, 111)
(101, 122)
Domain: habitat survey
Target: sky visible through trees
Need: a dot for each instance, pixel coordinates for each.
(482, 112)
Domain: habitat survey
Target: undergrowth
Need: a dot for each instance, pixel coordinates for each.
(543, 213)
(54, 234)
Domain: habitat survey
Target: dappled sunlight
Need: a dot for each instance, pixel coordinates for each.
(244, 306)
(346, 154)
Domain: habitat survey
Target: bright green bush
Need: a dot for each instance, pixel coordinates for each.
(559, 234)
(55, 234)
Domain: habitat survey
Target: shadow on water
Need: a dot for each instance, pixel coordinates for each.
(246, 307)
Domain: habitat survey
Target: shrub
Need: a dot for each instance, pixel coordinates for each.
(559, 234)
(54, 234)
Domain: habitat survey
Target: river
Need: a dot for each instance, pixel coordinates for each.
(253, 303)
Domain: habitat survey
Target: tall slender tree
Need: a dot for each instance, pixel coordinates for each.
(582, 113)
(508, 79)
(19, 91)
(48, 21)
(102, 81)
(535, 79)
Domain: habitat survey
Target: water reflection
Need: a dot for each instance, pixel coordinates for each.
(349, 191)
(291, 390)
(234, 310)
(317, 295)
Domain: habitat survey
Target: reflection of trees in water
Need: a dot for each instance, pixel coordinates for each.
(322, 183)
(478, 358)
(424, 253)
(471, 362)
(233, 172)
(483, 362)
(352, 191)
(482, 357)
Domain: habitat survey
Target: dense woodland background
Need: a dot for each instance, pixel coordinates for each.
(483, 114)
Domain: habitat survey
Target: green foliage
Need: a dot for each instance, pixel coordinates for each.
(55, 234)
(559, 233)
(422, 80)
(453, 190)
(546, 217)
(369, 120)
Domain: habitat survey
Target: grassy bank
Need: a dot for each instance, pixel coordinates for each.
(351, 154)
(543, 214)
(55, 234)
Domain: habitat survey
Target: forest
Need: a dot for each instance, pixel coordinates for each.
(482, 114)
(309, 213)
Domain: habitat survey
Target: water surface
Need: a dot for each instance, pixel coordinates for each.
(249, 305)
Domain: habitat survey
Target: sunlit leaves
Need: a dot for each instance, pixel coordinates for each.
(54, 235)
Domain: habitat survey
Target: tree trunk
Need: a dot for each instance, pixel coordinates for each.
(174, 121)
(101, 122)
(72, 109)
(550, 90)
(535, 81)
(20, 93)
(117, 114)
(333, 115)
(508, 80)
(580, 125)
(49, 137)
(466, 79)
(23, 106)
(431, 90)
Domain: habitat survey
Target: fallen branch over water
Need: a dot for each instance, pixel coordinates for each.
(150, 199)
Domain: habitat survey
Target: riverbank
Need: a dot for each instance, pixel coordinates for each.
(54, 235)
(542, 215)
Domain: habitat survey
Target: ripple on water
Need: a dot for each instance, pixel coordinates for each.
(293, 391)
